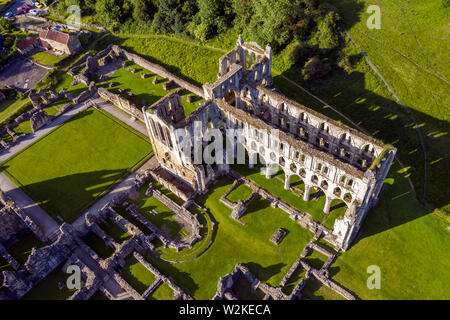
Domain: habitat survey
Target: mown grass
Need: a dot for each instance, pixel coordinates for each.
(112, 229)
(46, 58)
(139, 277)
(163, 292)
(242, 192)
(235, 243)
(199, 247)
(74, 164)
(406, 241)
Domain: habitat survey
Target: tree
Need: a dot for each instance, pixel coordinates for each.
(243, 9)
(315, 69)
(109, 12)
(6, 25)
(272, 21)
(172, 15)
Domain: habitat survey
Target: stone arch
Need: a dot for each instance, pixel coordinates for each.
(348, 197)
(273, 156)
(282, 107)
(262, 150)
(324, 185)
(304, 117)
(254, 146)
(281, 161)
(302, 173)
(337, 192)
(230, 97)
(293, 167)
(314, 179)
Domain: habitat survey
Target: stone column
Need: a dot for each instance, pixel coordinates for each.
(328, 201)
(287, 182)
(268, 172)
(306, 193)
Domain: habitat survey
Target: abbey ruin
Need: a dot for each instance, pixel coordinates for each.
(343, 163)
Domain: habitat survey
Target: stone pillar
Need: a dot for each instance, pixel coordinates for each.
(287, 182)
(328, 201)
(306, 193)
(268, 172)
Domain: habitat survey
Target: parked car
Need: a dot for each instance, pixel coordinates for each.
(27, 6)
(57, 28)
(8, 15)
(21, 10)
(34, 12)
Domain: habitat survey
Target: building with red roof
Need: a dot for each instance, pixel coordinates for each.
(60, 41)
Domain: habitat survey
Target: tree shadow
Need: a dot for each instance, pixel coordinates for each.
(388, 121)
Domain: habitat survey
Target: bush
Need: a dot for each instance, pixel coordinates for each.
(344, 63)
(315, 69)
(446, 3)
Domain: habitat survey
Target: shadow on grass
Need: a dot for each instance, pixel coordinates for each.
(264, 274)
(390, 122)
(68, 196)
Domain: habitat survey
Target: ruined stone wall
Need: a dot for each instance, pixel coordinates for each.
(157, 69)
(120, 102)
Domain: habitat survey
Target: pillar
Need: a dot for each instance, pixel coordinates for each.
(287, 182)
(268, 172)
(307, 192)
(328, 201)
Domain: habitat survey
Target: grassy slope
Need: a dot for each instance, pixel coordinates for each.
(77, 162)
(413, 36)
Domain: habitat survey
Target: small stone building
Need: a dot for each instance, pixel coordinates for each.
(60, 41)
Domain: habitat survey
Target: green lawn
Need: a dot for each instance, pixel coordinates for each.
(198, 248)
(186, 59)
(11, 108)
(112, 229)
(144, 89)
(139, 277)
(242, 192)
(235, 243)
(163, 220)
(276, 187)
(163, 292)
(74, 164)
(46, 58)
(406, 241)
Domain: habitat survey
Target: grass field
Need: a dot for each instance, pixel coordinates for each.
(139, 277)
(163, 292)
(69, 168)
(242, 192)
(11, 107)
(411, 52)
(46, 58)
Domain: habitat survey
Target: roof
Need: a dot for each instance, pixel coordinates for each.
(25, 43)
(53, 35)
